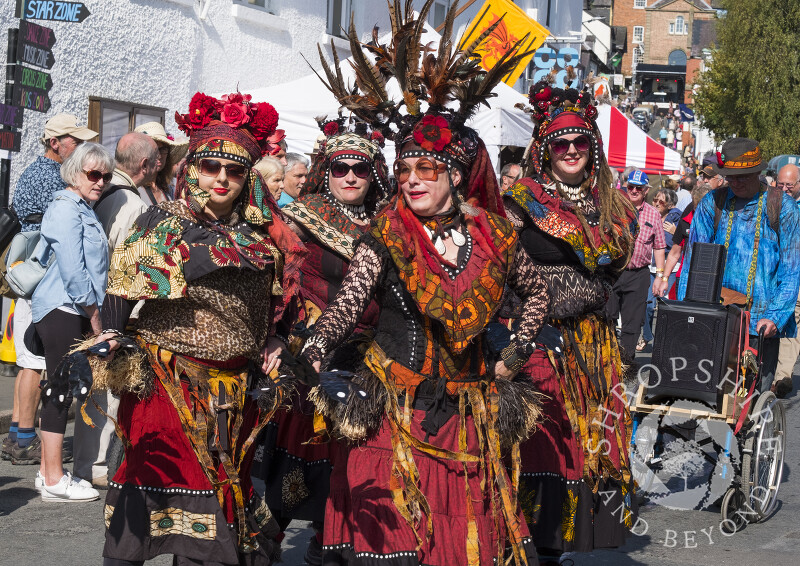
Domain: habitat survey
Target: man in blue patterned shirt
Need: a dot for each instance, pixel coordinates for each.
(33, 194)
(743, 220)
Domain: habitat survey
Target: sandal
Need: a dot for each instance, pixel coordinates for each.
(641, 345)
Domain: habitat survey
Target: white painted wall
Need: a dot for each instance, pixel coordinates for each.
(159, 52)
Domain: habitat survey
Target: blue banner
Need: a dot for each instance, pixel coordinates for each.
(687, 115)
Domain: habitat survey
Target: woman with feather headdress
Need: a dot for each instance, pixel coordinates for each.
(425, 480)
(576, 488)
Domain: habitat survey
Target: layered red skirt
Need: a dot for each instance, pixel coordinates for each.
(568, 505)
(363, 527)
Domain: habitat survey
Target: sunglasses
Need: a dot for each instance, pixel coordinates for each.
(94, 176)
(234, 171)
(340, 169)
(634, 188)
(560, 146)
(424, 169)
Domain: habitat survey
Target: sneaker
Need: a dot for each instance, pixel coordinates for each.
(69, 489)
(8, 445)
(30, 454)
(38, 483)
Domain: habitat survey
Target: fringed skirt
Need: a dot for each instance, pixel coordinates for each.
(295, 464)
(575, 488)
(184, 487)
(364, 527)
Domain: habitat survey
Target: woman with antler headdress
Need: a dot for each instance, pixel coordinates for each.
(576, 485)
(425, 480)
(346, 186)
(217, 269)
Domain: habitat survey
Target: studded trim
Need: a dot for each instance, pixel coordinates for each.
(166, 490)
(444, 158)
(222, 155)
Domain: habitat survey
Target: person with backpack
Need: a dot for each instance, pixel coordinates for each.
(760, 227)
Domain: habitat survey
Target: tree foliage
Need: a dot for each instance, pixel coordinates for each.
(752, 86)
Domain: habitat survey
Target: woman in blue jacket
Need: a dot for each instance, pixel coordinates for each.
(66, 303)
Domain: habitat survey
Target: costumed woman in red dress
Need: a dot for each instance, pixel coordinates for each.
(425, 480)
(347, 184)
(216, 269)
(576, 487)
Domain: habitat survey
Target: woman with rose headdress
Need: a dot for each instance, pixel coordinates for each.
(346, 186)
(217, 269)
(576, 486)
(425, 480)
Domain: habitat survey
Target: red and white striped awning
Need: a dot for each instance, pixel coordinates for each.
(627, 145)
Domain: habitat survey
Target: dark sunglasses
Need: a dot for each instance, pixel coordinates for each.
(424, 169)
(234, 171)
(635, 188)
(341, 169)
(560, 146)
(94, 176)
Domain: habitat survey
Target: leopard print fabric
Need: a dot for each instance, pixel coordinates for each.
(224, 315)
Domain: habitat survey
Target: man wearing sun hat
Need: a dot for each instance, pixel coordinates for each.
(760, 226)
(33, 193)
(630, 290)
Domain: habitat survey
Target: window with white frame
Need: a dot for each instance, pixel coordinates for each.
(339, 17)
(638, 54)
(679, 27)
(640, 3)
(438, 12)
(267, 5)
(638, 34)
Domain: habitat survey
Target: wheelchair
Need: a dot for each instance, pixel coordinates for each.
(723, 443)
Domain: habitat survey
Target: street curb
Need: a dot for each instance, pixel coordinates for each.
(5, 418)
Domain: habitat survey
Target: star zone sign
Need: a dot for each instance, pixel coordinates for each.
(52, 10)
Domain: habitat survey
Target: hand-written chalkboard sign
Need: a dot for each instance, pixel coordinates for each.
(10, 116)
(32, 79)
(52, 10)
(10, 141)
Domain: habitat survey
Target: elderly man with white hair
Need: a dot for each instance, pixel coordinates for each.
(295, 175)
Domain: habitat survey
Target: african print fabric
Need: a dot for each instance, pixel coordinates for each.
(325, 223)
(556, 217)
(169, 247)
(462, 305)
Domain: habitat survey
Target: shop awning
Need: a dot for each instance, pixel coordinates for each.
(627, 145)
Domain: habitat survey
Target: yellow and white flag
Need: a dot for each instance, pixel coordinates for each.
(515, 25)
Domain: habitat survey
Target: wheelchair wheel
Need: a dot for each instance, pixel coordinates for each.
(768, 453)
(732, 521)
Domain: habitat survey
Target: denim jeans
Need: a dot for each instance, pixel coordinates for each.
(647, 329)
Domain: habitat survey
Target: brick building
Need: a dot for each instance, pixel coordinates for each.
(668, 29)
(631, 15)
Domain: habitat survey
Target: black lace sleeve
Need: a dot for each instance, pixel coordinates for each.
(528, 284)
(341, 317)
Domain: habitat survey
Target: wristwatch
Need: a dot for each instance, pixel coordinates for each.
(665, 278)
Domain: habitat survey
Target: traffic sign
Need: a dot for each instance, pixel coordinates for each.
(10, 141)
(52, 10)
(10, 116)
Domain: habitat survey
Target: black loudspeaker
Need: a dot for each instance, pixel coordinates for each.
(705, 273)
(696, 346)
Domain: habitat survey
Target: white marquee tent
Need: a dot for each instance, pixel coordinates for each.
(298, 102)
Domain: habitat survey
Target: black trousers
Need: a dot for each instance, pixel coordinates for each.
(629, 301)
(59, 332)
(769, 360)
